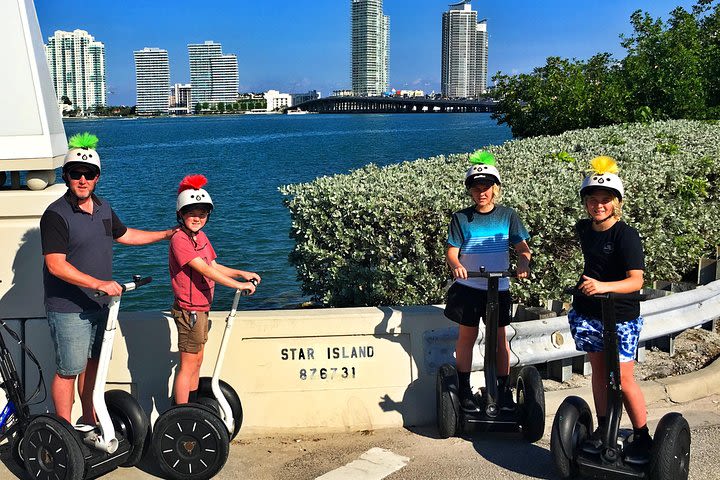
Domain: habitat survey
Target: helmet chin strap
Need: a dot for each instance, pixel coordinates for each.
(600, 222)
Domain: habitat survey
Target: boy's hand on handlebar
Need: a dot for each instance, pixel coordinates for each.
(248, 287)
(459, 272)
(111, 287)
(252, 276)
(590, 286)
(523, 271)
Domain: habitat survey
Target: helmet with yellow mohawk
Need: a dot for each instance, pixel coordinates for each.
(483, 169)
(603, 175)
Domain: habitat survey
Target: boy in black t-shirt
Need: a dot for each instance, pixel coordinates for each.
(614, 262)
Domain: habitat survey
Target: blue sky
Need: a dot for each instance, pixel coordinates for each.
(300, 45)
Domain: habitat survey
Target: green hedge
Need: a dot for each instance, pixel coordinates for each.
(377, 236)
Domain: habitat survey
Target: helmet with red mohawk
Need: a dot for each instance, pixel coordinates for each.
(191, 193)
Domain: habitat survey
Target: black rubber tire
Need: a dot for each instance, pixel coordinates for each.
(531, 403)
(190, 442)
(670, 456)
(129, 418)
(573, 424)
(51, 450)
(16, 450)
(448, 414)
(205, 390)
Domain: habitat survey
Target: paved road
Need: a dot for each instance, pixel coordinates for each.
(480, 457)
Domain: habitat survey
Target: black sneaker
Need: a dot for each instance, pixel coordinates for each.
(638, 452)
(467, 402)
(506, 401)
(593, 444)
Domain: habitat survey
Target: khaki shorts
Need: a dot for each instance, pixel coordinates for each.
(190, 338)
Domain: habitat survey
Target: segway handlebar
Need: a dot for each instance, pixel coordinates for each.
(486, 274)
(610, 295)
(247, 292)
(137, 282)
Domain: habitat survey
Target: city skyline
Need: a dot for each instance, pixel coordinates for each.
(300, 46)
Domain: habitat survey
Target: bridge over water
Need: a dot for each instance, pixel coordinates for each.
(395, 105)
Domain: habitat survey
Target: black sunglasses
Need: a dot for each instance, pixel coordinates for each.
(88, 174)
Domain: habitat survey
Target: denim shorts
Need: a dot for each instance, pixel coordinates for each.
(588, 332)
(77, 337)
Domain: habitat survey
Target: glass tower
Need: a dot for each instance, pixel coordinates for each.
(152, 79)
(464, 52)
(370, 48)
(213, 76)
(77, 68)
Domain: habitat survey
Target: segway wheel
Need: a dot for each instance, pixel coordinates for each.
(448, 413)
(129, 419)
(16, 450)
(573, 424)
(670, 456)
(51, 450)
(531, 404)
(190, 442)
(205, 391)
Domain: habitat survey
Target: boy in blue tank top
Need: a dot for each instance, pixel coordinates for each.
(481, 236)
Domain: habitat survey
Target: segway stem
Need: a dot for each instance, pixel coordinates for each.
(612, 368)
(227, 415)
(107, 441)
(492, 317)
(491, 332)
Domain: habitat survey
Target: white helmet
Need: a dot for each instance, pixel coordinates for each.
(191, 192)
(82, 151)
(604, 175)
(483, 169)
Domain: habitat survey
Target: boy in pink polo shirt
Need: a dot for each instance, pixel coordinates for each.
(194, 272)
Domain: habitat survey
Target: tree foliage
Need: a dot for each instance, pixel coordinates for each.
(671, 71)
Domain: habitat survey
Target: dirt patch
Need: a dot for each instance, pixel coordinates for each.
(695, 348)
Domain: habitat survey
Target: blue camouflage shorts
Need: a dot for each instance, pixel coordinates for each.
(587, 333)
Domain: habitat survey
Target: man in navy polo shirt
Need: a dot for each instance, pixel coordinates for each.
(77, 233)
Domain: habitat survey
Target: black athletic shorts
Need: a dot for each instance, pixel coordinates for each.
(466, 305)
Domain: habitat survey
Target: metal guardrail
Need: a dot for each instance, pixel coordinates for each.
(547, 340)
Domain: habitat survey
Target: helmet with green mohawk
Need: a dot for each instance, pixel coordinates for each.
(82, 152)
(603, 175)
(483, 169)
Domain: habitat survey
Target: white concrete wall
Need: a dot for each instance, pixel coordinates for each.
(373, 358)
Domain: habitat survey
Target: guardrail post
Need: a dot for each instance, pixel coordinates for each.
(674, 287)
(582, 365)
(560, 370)
(666, 344)
(641, 352)
(558, 306)
(526, 314)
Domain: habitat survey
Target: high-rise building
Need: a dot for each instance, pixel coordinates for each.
(181, 99)
(213, 76)
(77, 68)
(224, 78)
(370, 48)
(464, 52)
(152, 79)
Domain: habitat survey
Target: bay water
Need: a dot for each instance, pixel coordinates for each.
(246, 158)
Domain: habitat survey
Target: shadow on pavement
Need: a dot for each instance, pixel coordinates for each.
(512, 453)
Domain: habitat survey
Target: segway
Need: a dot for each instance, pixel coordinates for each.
(529, 415)
(51, 448)
(192, 440)
(573, 424)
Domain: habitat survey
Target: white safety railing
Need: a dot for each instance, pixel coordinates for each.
(546, 340)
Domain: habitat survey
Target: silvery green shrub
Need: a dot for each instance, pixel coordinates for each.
(377, 236)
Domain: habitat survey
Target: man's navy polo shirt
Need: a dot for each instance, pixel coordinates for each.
(87, 241)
